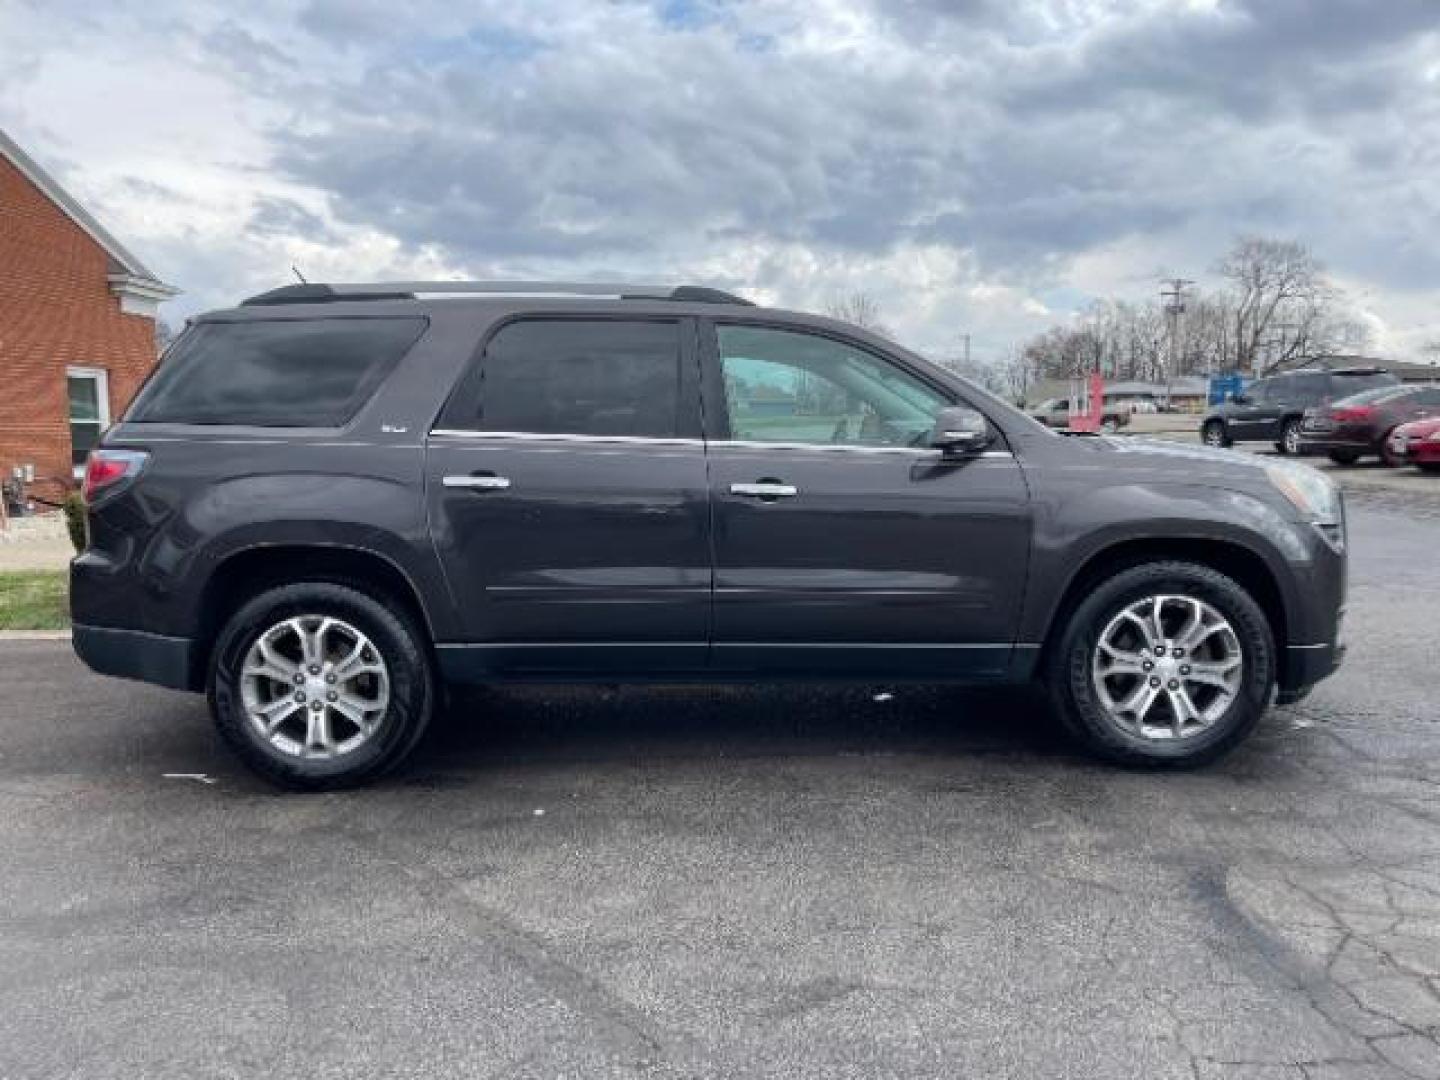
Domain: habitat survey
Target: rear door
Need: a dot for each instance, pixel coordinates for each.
(843, 543)
(567, 496)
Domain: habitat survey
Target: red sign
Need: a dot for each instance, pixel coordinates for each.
(1089, 405)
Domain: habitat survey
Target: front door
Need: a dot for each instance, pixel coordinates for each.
(568, 503)
(843, 543)
(1258, 417)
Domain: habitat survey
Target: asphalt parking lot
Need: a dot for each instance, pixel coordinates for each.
(734, 882)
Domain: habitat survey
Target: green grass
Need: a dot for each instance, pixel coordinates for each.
(34, 600)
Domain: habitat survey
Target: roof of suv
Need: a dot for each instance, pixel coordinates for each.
(317, 293)
(1329, 371)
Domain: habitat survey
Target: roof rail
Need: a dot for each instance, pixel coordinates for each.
(409, 290)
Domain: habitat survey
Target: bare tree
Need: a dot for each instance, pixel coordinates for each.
(859, 309)
(164, 335)
(1013, 376)
(1277, 306)
(1280, 302)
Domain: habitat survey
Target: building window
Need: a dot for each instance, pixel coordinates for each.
(89, 411)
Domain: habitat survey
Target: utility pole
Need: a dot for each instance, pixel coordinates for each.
(1174, 297)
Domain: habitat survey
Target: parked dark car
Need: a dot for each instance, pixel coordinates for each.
(333, 500)
(1272, 409)
(1361, 424)
(1055, 413)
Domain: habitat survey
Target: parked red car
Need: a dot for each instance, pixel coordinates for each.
(1416, 443)
(1360, 424)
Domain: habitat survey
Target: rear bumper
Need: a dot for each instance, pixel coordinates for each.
(1325, 443)
(134, 654)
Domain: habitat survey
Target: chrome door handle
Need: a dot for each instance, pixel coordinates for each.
(765, 490)
(484, 483)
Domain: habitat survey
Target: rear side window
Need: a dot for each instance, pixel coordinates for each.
(1267, 390)
(282, 373)
(1309, 387)
(574, 377)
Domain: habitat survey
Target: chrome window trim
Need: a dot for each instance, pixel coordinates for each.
(737, 444)
(843, 448)
(534, 436)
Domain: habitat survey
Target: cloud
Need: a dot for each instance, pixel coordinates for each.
(968, 163)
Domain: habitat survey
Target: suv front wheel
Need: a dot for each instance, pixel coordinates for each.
(1164, 664)
(1214, 434)
(319, 685)
(1289, 442)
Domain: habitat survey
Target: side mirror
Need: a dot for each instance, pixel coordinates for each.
(960, 431)
(1241, 399)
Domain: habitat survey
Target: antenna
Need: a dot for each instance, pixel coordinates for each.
(296, 271)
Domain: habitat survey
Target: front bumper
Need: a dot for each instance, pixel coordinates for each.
(1415, 451)
(1306, 665)
(135, 654)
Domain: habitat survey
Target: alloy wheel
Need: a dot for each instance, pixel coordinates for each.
(1167, 667)
(315, 687)
(1292, 438)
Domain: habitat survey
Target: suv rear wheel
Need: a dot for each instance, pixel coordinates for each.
(1164, 664)
(319, 685)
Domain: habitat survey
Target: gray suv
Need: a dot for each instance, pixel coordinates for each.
(1273, 409)
(333, 501)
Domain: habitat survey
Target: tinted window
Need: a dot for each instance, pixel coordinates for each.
(1427, 398)
(313, 373)
(1345, 385)
(1308, 387)
(783, 386)
(574, 377)
(1267, 390)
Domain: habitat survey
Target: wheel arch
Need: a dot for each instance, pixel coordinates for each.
(1245, 566)
(248, 571)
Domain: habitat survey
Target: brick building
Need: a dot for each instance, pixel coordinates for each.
(77, 325)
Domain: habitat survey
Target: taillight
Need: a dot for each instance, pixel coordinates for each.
(1352, 414)
(105, 469)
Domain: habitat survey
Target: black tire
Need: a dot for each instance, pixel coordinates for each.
(1428, 467)
(394, 635)
(1068, 675)
(1289, 442)
(1389, 460)
(1344, 457)
(1214, 434)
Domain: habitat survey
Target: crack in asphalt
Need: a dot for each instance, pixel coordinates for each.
(631, 1030)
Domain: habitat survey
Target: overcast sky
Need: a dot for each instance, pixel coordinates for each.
(976, 165)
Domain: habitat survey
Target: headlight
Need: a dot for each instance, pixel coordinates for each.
(1309, 491)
